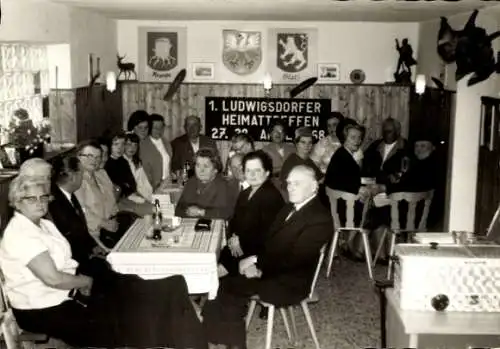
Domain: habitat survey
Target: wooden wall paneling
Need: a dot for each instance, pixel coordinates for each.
(97, 111)
(368, 104)
(62, 116)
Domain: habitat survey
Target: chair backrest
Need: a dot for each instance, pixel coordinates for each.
(350, 202)
(413, 199)
(318, 268)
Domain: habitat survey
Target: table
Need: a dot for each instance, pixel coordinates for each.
(174, 190)
(194, 256)
(433, 330)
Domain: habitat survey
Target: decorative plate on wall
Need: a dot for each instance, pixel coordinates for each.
(357, 76)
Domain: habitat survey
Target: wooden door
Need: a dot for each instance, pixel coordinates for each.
(431, 113)
(488, 179)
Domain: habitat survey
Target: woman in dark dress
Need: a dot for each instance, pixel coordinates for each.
(255, 210)
(344, 174)
(118, 168)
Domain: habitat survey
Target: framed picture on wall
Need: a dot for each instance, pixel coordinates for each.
(328, 72)
(203, 71)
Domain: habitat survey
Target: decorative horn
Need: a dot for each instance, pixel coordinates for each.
(175, 85)
(304, 85)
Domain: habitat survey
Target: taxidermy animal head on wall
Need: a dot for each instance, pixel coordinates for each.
(470, 48)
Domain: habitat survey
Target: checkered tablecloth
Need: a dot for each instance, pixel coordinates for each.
(192, 254)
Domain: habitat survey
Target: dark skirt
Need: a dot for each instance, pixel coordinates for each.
(124, 311)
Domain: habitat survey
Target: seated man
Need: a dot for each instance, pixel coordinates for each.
(67, 214)
(282, 273)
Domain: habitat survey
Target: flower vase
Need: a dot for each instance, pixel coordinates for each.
(37, 152)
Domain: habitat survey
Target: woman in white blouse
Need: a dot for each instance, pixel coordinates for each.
(156, 153)
(144, 188)
(114, 310)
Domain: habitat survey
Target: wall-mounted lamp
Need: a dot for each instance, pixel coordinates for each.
(268, 84)
(111, 81)
(420, 84)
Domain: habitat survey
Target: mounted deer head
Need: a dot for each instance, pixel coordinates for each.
(470, 47)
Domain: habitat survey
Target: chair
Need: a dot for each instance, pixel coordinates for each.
(12, 335)
(413, 199)
(304, 305)
(350, 224)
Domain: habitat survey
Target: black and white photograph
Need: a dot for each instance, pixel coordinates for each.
(328, 72)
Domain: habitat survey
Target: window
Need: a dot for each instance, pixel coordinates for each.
(24, 80)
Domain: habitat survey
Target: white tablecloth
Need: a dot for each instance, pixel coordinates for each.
(194, 255)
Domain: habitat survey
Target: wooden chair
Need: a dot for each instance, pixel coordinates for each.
(350, 224)
(413, 199)
(12, 335)
(292, 336)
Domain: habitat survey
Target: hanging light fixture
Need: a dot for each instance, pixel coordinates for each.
(111, 81)
(420, 84)
(268, 84)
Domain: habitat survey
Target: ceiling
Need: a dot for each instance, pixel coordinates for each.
(281, 10)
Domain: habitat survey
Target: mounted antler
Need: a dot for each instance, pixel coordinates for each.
(94, 77)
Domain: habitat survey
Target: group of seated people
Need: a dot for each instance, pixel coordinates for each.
(68, 216)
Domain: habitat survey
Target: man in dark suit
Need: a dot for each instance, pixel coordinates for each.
(68, 216)
(384, 159)
(185, 147)
(282, 273)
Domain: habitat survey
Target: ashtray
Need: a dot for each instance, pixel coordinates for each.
(169, 228)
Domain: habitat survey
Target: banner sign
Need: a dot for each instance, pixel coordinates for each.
(229, 116)
(292, 54)
(162, 53)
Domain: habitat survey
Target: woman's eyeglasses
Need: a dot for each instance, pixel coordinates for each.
(34, 199)
(91, 156)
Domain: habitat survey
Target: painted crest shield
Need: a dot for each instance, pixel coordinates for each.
(292, 52)
(162, 51)
(242, 53)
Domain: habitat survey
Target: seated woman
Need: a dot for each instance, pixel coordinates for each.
(144, 190)
(97, 196)
(344, 174)
(156, 153)
(207, 194)
(112, 311)
(240, 144)
(326, 146)
(302, 156)
(255, 210)
(117, 167)
(344, 170)
(138, 123)
(278, 149)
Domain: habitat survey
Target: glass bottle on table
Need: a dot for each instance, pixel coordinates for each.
(157, 220)
(185, 172)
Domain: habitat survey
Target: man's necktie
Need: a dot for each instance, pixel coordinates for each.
(76, 205)
(292, 212)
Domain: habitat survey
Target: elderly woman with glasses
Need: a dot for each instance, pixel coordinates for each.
(49, 296)
(98, 197)
(278, 149)
(207, 194)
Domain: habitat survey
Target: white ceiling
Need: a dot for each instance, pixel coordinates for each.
(280, 10)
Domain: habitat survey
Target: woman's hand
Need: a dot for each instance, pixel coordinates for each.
(195, 211)
(86, 289)
(110, 225)
(364, 193)
(234, 246)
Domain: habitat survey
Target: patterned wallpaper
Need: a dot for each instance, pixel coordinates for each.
(368, 104)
